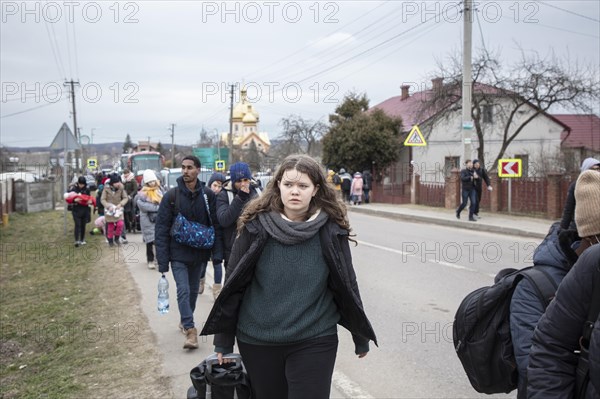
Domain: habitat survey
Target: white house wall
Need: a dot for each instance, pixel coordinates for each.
(541, 137)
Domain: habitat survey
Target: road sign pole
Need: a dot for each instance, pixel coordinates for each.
(509, 195)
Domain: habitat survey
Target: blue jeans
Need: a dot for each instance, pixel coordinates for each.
(218, 272)
(470, 195)
(187, 280)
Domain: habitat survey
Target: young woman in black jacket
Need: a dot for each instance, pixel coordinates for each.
(289, 282)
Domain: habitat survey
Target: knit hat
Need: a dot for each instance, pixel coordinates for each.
(114, 178)
(81, 180)
(239, 171)
(149, 176)
(342, 170)
(587, 203)
(588, 163)
(217, 176)
(475, 161)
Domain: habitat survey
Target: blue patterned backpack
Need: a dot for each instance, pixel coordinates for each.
(190, 233)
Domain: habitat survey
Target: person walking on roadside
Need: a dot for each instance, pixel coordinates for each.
(148, 201)
(568, 327)
(346, 185)
(232, 199)
(131, 188)
(114, 199)
(367, 184)
(356, 189)
(289, 282)
(568, 221)
(193, 200)
(468, 190)
(81, 210)
(215, 183)
(480, 175)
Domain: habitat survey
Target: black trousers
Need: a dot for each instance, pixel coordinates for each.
(80, 222)
(149, 251)
(295, 371)
(478, 192)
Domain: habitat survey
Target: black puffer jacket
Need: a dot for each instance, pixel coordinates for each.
(466, 177)
(246, 252)
(80, 209)
(555, 257)
(192, 206)
(229, 213)
(552, 359)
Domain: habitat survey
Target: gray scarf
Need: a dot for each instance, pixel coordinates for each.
(288, 232)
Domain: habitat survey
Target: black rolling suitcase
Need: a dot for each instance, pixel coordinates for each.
(213, 381)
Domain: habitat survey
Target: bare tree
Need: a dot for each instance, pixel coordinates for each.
(532, 86)
(302, 135)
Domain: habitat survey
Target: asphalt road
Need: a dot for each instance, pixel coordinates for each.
(412, 278)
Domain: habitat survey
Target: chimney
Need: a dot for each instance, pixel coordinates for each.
(405, 94)
(437, 84)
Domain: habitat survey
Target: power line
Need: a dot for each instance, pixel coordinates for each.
(56, 59)
(569, 11)
(28, 110)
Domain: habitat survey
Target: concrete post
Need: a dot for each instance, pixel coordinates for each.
(452, 190)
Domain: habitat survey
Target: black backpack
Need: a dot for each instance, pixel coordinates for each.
(346, 184)
(481, 330)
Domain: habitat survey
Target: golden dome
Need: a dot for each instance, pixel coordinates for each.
(242, 108)
(249, 118)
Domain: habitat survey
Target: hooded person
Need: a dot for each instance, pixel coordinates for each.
(568, 220)
(114, 199)
(480, 175)
(130, 186)
(148, 201)
(356, 189)
(236, 193)
(79, 196)
(568, 327)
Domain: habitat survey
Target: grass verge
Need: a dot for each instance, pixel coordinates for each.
(70, 321)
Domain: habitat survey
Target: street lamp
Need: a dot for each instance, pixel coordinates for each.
(218, 143)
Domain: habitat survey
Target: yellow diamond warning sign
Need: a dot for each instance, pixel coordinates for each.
(415, 138)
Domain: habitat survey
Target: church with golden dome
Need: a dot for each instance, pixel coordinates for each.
(245, 126)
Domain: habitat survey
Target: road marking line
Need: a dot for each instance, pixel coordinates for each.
(347, 387)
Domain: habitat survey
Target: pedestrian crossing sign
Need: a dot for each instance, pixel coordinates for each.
(415, 138)
(92, 163)
(220, 165)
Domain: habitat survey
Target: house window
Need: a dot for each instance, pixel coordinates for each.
(487, 113)
(524, 164)
(449, 164)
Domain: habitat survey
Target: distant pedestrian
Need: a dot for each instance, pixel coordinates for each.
(148, 201)
(468, 191)
(356, 189)
(367, 185)
(289, 282)
(81, 209)
(131, 188)
(194, 201)
(114, 199)
(346, 185)
(480, 175)
(215, 183)
(568, 328)
(568, 221)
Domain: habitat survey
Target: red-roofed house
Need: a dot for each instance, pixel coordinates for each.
(441, 125)
(582, 140)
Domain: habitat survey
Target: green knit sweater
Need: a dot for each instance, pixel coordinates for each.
(288, 300)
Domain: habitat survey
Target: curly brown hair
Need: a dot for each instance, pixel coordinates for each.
(325, 198)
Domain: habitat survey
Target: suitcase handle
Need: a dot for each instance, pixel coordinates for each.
(214, 360)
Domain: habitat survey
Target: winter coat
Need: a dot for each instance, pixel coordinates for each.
(357, 186)
(81, 210)
(466, 177)
(148, 213)
(568, 217)
(110, 197)
(229, 213)
(346, 181)
(193, 207)
(367, 180)
(595, 356)
(248, 247)
(131, 188)
(483, 176)
(555, 257)
(552, 360)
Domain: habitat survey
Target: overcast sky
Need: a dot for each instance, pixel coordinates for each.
(143, 65)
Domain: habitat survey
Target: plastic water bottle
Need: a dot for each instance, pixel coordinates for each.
(163, 295)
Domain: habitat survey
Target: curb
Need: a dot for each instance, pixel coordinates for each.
(451, 223)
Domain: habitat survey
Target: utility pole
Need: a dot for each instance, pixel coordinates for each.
(230, 138)
(172, 145)
(75, 130)
(467, 121)
(148, 143)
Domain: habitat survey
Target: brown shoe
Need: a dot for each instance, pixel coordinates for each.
(191, 339)
(216, 289)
